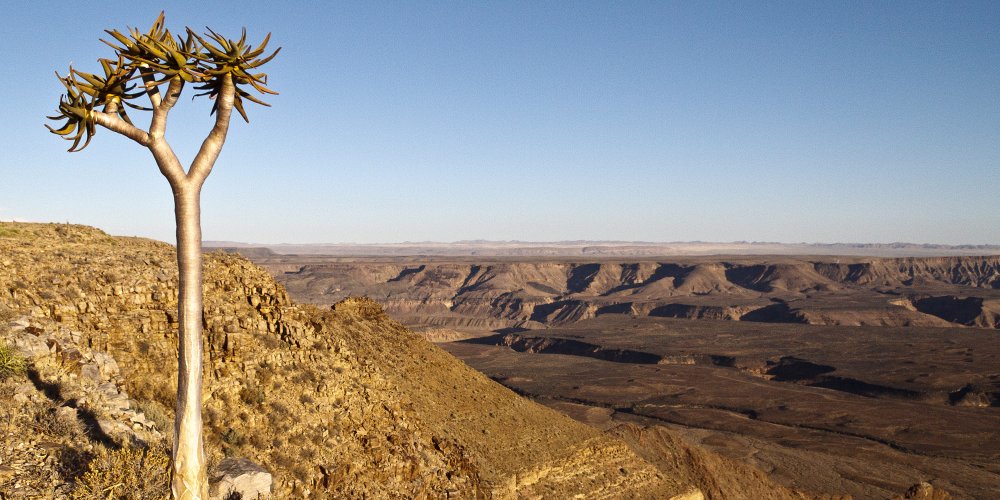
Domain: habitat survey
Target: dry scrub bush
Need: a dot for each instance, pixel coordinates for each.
(11, 363)
(125, 474)
(6, 315)
(49, 420)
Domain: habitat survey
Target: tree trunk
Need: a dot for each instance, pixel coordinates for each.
(189, 478)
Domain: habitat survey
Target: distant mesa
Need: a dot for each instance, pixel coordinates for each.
(531, 292)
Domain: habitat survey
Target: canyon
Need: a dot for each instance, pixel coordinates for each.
(546, 378)
(847, 374)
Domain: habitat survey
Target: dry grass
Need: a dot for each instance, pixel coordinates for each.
(128, 473)
(11, 363)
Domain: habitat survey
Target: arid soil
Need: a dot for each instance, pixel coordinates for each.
(335, 403)
(845, 375)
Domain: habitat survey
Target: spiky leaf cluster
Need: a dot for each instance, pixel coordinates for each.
(157, 57)
(158, 53)
(237, 59)
(85, 91)
(77, 110)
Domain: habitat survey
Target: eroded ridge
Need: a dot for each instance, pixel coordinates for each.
(485, 294)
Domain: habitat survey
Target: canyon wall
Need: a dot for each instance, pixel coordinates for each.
(938, 291)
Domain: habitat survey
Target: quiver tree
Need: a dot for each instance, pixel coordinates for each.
(156, 66)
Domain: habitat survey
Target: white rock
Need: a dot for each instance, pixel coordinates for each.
(239, 475)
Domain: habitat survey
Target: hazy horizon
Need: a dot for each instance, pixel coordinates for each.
(640, 121)
(209, 242)
(608, 249)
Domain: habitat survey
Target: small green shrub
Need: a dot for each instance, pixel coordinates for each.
(11, 362)
(125, 474)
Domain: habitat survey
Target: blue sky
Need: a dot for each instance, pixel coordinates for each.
(542, 121)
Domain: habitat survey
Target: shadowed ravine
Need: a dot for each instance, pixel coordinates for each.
(786, 369)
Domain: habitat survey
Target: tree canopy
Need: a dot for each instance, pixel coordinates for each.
(155, 58)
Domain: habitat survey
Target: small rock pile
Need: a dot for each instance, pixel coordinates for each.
(81, 380)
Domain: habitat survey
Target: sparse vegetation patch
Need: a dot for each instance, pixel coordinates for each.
(11, 362)
(124, 474)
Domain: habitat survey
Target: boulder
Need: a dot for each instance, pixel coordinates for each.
(240, 476)
(107, 365)
(90, 373)
(29, 345)
(924, 491)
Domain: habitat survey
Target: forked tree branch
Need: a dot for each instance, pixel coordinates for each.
(164, 155)
(168, 163)
(212, 146)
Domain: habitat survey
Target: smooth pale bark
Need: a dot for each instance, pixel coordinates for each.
(189, 478)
